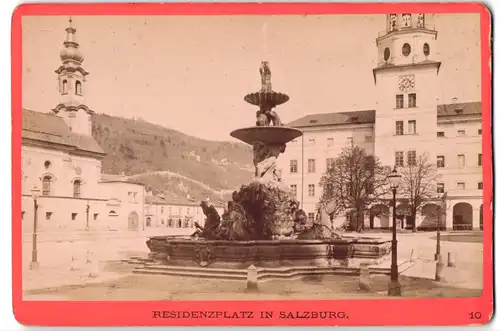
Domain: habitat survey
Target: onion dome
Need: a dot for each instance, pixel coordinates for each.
(71, 50)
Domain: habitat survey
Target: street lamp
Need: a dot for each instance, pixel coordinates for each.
(394, 286)
(87, 210)
(437, 256)
(35, 193)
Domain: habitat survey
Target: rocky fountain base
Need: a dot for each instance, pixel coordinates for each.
(290, 247)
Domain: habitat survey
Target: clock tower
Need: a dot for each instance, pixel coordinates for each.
(406, 88)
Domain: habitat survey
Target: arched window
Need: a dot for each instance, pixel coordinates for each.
(148, 222)
(78, 87)
(77, 184)
(46, 181)
(64, 86)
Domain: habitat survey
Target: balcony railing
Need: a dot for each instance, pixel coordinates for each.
(428, 27)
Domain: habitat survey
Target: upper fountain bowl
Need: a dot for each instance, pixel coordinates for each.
(270, 99)
(272, 135)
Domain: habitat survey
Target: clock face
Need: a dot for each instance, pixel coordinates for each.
(406, 82)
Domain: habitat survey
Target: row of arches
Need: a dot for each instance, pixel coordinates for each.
(431, 216)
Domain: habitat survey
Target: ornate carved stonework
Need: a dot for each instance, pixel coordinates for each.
(203, 255)
(406, 82)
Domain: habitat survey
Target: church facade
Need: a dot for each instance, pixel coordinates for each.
(62, 162)
(407, 122)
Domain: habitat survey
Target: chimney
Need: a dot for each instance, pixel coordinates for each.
(454, 100)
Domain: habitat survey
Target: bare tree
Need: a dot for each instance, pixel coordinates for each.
(418, 183)
(353, 182)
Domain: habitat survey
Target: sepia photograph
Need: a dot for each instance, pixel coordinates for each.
(254, 158)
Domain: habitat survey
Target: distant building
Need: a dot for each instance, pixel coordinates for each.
(62, 159)
(174, 215)
(406, 123)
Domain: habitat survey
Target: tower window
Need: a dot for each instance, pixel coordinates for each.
(406, 50)
(46, 164)
(400, 101)
(427, 49)
(412, 100)
(387, 54)
(78, 87)
(46, 185)
(64, 87)
(76, 188)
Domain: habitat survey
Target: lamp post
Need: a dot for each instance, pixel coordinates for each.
(394, 286)
(35, 193)
(437, 256)
(87, 210)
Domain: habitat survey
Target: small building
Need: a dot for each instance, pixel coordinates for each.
(125, 203)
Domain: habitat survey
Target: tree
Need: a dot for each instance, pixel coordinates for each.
(418, 183)
(353, 182)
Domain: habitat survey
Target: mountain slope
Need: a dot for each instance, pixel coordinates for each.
(136, 147)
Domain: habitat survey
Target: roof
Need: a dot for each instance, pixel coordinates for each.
(351, 117)
(169, 198)
(368, 116)
(49, 128)
(460, 109)
(109, 178)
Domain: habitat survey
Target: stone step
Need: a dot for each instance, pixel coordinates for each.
(188, 269)
(262, 273)
(183, 273)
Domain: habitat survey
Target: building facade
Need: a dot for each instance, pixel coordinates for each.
(62, 161)
(174, 215)
(407, 122)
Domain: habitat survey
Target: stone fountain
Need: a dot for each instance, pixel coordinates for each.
(263, 225)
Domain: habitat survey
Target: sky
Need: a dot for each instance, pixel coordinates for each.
(191, 73)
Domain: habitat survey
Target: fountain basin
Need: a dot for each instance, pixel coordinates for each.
(272, 135)
(347, 252)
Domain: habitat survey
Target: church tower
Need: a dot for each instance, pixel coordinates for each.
(406, 88)
(72, 80)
